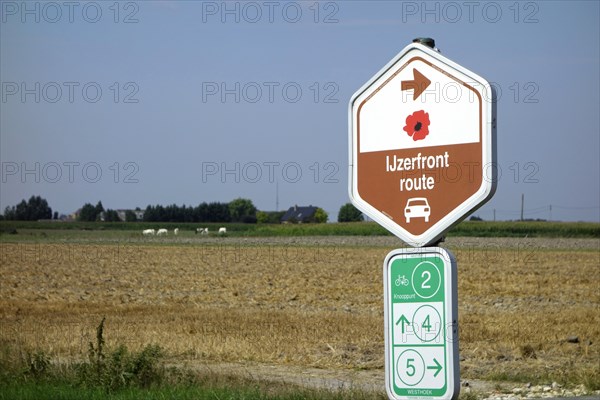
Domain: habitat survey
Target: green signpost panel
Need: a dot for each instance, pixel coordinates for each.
(421, 324)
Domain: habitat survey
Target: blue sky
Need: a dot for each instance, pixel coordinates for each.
(150, 102)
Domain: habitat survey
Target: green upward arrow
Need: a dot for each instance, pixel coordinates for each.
(404, 320)
(437, 367)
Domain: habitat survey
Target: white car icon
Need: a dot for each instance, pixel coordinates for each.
(417, 207)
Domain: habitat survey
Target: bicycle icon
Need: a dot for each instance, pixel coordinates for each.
(402, 280)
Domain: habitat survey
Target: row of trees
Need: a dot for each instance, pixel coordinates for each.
(32, 210)
(92, 213)
(238, 210)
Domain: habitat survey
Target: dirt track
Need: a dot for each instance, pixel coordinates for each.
(386, 242)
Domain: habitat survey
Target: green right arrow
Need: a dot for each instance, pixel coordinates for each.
(437, 367)
(404, 320)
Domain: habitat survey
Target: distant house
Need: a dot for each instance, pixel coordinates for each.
(74, 216)
(299, 214)
(139, 214)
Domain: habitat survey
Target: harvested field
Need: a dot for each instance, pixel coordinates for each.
(297, 303)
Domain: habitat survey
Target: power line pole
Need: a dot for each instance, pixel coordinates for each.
(276, 195)
(522, 204)
(494, 215)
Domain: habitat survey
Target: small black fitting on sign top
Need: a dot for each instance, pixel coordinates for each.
(437, 242)
(429, 42)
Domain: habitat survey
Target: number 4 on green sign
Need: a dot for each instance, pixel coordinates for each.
(427, 324)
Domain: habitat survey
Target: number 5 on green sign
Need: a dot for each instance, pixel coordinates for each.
(410, 368)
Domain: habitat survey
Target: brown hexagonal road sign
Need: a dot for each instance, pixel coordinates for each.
(422, 145)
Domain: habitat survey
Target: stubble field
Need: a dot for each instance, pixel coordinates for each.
(301, 302)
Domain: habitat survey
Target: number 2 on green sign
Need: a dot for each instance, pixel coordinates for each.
(424, 285)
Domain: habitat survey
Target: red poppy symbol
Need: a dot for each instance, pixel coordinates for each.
(417, 125)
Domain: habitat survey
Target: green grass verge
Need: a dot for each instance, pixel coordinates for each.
(465, 228)
(25, 381)
(590, 378)
(121, 374)
(65, 391)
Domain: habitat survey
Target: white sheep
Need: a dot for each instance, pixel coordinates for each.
(222, 231)
(176, 231)
(161, 232)
(148, 232)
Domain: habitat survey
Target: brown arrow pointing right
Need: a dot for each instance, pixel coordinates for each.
(419, 84)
